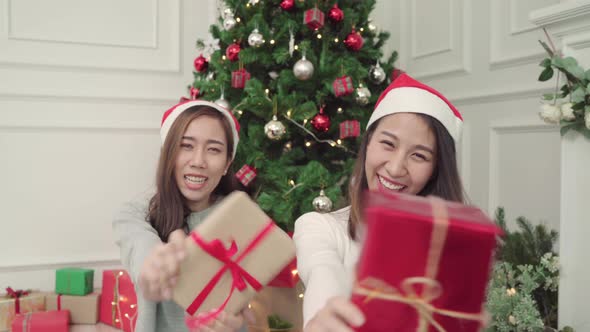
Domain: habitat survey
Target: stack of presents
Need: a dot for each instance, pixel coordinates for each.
(424, 266)
(73, 302)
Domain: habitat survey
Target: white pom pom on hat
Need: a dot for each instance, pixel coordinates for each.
(407, 95)
(172, 114)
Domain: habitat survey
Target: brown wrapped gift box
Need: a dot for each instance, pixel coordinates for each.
(83, 309)
(239, 219)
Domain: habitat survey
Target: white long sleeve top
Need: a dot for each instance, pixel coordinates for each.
(326, 258)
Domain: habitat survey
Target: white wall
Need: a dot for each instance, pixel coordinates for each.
(483, 55)
(83, 85)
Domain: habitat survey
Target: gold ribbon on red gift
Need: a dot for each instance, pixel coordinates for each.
(26, 324)
(374, 288)
(240, 277)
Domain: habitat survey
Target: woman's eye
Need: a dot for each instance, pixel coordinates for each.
(216, 150)
(387, 143)
(420, 156)
(185, 146)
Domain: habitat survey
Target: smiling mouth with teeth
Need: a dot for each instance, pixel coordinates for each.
(390, 185)
(195, 179)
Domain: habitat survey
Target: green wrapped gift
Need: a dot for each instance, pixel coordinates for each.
(74, 281)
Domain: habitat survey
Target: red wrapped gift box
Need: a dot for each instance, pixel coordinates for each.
(239, 78)
(342, 86)
(424, 265)
(118, 302)
(350, 128)
(288, 277)
(42, 321)
(246, 174)
(314, 18)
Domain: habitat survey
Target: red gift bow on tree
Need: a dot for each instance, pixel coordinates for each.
(16, 294)
(432, 289)
(240, 276)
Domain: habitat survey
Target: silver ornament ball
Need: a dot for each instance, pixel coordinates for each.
(303, 69)
(223, 103)
(255, 39)
(229, 22)
(274, 129)
(377, 74)
(322, 203)
(362, 96)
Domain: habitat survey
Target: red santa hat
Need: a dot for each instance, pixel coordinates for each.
(170, 116)
(406, 95)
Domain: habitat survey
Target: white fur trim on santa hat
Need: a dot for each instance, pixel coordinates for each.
(178, 109)
(417, 100)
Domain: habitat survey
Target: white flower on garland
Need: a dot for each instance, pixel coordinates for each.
(567, 112)
(587, 120)
(551, 114)
(209, 47)
(253, 2)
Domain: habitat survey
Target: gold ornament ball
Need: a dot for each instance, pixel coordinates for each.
(322, 203)
(362, 96)
(274, 129)
(288, 147)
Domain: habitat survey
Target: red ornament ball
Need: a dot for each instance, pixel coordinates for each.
(232, 52)
(201, 63)
(287, 4)
(321, 122)
(354, 41)
(194, 92)
(335, 14)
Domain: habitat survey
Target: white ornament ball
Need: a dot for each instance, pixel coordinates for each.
(322, 203)
(274, 129)
(273, 74)
(303, 69)
(362, 96)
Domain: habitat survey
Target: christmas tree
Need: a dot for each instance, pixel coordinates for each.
(302, 78)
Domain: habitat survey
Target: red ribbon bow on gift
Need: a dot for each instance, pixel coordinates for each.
(16, 294)
(240, 277)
